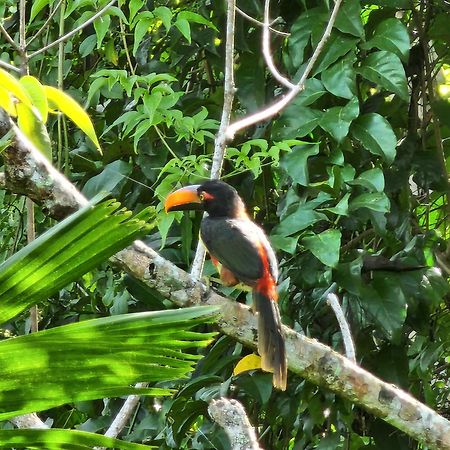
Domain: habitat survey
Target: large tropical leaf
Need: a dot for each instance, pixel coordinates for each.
(65, 252)
(56, 439)
(98, 358)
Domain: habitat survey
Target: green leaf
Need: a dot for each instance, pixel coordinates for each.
(391, 35)
(99, 358)
(134, 6)
(36, 93)
(67, 105)
(165, 14)
(324, 246)
(295, 121)
(336, 121)
(56, 439)
(143, 21)
(349, 20)
(372, 179)
(313, 91)
(376, 135)
(102, 25)
(340, 78)
(184, 28)
(191, 16)
(64, 253)
(302, 218)
(37, 6)
(385, 69)
(29, 122)
(337, 46)
(341, 209)
(295, 163)
(88, 45)
(376, 201)
(384, 300)
(13, 86)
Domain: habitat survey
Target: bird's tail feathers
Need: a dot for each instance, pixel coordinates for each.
(271, 345)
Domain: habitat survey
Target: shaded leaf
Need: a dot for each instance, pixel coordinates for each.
(376, 135)
(376, 201)
(340, 78)
(336, 121)
(296, 162)
(385, 69)
(324, 246)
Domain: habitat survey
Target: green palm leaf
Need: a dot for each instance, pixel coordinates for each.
(65, 252)
(98, 358)
(62, 439)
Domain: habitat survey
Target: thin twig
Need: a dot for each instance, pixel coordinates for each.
(333, 301)
(268, 53)
(279, 105)
(231, 416)
(257, 22)
(46, 23)
(221, 138)
(8, 66)
(74, 31)
(123, 416)
(8, 37)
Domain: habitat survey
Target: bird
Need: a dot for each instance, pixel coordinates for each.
(241, 251)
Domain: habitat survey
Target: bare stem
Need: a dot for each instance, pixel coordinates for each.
(279, 105)
(333, 301)
(261, 24)
(74, 31)
(7, 66)
(267, 53)
(221, 138)
(8, 37)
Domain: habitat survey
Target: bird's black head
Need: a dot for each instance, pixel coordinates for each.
(220, 199)
(216, 197)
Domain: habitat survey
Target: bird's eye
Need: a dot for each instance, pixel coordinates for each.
(202, 196)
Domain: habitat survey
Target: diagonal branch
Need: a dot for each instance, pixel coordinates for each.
(279, 105)
(257, 22)
(74, 31)
(28, 172)
(8, 37)
(8, 66)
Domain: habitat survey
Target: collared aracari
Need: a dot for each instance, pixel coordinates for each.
(245, 255)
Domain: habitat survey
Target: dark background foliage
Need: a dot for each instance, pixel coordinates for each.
(350, 181)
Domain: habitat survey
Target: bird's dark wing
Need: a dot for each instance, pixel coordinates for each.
(237, 244)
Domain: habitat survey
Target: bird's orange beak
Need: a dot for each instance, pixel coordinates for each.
(183, 199)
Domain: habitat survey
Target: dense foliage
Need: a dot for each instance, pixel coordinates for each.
(350, 181)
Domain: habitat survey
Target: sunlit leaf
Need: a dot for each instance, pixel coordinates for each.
(13, 86)
(36, 92)
(99, 358)
(324, 246)
(61, 101)
(249, 362)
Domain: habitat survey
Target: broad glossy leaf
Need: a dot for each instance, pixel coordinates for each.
(295, 121)
(249, 362)
(98, 358)
(314, 89)
(64, 253)
(101, 26)
(324, 246)
(185, 28)
(341, 209)
(376, 135)
(67, 105)
(31, 125)
(385, 302)
(376, 201)
(337, 46)
(372, 179)
(37, 6)
(142, 23)
(58, 439)
(385, 69)
(165, 14)
(194, 17)
(36, 92)
(349, 20)
(391, 35)
(340, 78)
(336, 121)
(296, 162)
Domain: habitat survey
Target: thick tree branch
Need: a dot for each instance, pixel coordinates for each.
(28, 421)
(319, 364)
(231, 416)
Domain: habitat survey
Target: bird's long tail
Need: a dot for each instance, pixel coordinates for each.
(271, 345)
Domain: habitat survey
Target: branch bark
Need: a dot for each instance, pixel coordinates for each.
(28, 173)
(231, 416)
